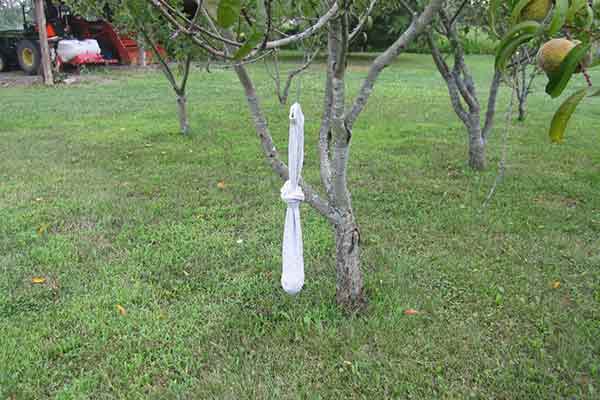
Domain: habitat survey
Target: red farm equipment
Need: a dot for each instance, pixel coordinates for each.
(74, 40)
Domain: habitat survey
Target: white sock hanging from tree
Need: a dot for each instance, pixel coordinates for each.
(292, 276)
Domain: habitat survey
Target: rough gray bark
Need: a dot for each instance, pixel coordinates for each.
(463, 93)
(184, 125)
(477, 159)
(40, 16)
(349, 284)
(349, 281)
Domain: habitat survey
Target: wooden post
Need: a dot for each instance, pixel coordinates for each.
(141, 51)
(40, 17)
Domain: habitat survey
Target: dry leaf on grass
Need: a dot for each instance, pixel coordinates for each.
(42, 229)
(121, 309)
(556, 285)
(221, 185)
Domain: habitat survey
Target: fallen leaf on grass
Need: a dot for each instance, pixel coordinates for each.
(556, 285)
(121, 309)
(38, 280)
(42, 229)
(221, 185)
(411, 311)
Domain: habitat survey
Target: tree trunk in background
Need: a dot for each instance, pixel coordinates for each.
(522, 108)
(141, 52)
(40, 16)
(349, 283)
(183, 117)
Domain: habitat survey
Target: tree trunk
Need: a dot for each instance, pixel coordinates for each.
(183, 117)
(141, 52)
(523, 107)
(349, 287)
(40, 16)
(476, 148)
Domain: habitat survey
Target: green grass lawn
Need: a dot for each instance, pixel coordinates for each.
(102, 198)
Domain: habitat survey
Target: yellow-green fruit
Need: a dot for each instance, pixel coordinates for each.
(536, 10)
(553, 53)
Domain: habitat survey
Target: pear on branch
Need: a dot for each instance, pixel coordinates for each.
(536, 10)
(553, 53)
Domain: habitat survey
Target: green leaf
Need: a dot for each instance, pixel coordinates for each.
(257, 34)
(576, 5)
(228, 12)
(493, 9)
(561, 7)
(254, 39)
(517, 36)
(563, 115)
(559, 81)
(595, 92)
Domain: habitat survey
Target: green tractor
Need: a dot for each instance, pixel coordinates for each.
(19, 44)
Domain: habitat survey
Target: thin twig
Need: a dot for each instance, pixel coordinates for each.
(502, 162)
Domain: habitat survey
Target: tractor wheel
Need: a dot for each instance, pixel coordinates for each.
(3, 63)
(30, 57)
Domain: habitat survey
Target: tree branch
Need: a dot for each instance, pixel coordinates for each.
(363, 20)
(491, 106)
(450, 79)
(338, 39)
(382, 61)
(271, 153)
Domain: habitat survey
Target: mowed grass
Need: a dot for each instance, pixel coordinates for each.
(102, 198)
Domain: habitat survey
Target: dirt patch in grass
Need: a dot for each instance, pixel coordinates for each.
(10, 79)
(20, 79)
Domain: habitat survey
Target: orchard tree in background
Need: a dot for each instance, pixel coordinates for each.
(568, 30)
(456, 19)
(138, 18)
(219, 33)
(461, 85)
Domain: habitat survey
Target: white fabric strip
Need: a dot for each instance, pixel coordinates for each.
(292, 276)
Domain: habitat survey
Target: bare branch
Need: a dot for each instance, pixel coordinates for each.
(165, 67)
(363, 20)
(286, 90)
(450, 79)
(382, 61)
(491, 106)
(332, 12)
(271, 153)
(186, 71)
(338, 46)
